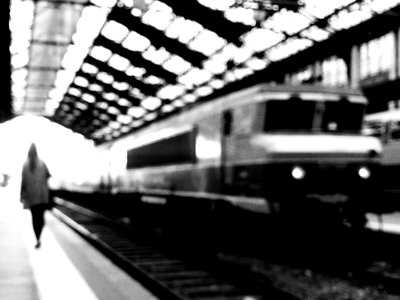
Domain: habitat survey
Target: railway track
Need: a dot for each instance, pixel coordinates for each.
(181, 272)
(168, 272)
(383, 267)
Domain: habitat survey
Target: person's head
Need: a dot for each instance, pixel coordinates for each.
(32, 152)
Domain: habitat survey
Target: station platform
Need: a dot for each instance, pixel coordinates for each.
(65, 266)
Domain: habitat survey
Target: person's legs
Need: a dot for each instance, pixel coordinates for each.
(38, 221)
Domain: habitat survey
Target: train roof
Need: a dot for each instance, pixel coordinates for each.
(315, 92)
(303, 88)
(384, 116)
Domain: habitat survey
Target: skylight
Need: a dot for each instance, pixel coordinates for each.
(159, 56)
(183, 30)
(136, 42)
(151, 103)
(114, 31)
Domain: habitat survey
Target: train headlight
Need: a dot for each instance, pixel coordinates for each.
(364, 172)
(298, 173)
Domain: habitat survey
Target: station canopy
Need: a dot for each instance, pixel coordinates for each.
(105, 68)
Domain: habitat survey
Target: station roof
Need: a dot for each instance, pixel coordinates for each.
(104, 68)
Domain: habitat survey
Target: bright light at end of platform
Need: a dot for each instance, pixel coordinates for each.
(68, 155)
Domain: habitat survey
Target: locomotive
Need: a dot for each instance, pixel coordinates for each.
(268, 149)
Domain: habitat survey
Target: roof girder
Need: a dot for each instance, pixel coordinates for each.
(148, 89)
(157, 37)
(137, 59)
(210, 19)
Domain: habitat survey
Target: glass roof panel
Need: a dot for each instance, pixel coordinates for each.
(348, 18)
(118, 62)
(136, 112)
(256, 64)
(183, 30)
(279, 22)
(95, 88)
(124, 119)
(100, 53)
(136, 42)
(88, 98)
(81, 81)
(157, 56)
(105, 77)
(242, 15)
(135, 71)
(123, 102)
(315, 33)
(214, 66)
(195, 77)
(114, 31)
(106, 3)
(19, 75)
(74, 92)
(20, 41)
(171, 91)
(153, 80)
(220, 5)
(20, 59)
(260, 39)
(204, 91)
(21, 15)
(121, 86)
(321, 10)
(288, 48)
(158, 15)
(207, 42)
(151, 103)
(173, 56)
(90, 69)
(242, 54)
(89, 25)
(177, 65)
(167, 108)
(380, 6)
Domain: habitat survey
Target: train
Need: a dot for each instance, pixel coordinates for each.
(268, 149)
(385, 125)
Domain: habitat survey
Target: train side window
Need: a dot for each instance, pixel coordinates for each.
(177, 149)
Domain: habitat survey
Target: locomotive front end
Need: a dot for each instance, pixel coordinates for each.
(310, 156)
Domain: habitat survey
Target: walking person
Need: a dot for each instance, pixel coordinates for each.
(34, 190)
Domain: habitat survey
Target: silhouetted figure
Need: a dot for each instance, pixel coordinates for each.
(34, 190)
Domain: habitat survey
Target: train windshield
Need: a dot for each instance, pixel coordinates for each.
(342, 116)
(291, 115)
(297, 115)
